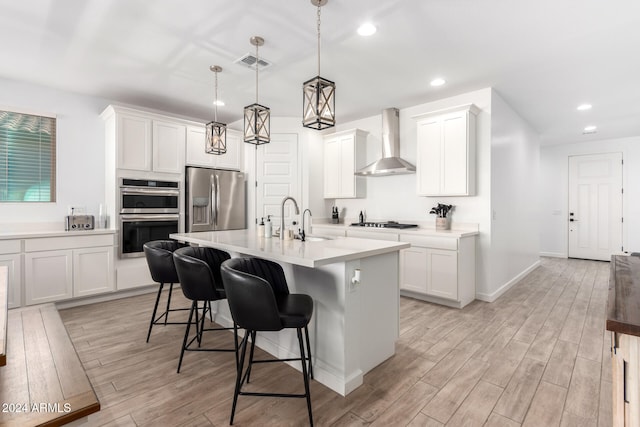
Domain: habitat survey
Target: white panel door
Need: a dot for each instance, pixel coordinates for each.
(442, 273)
(429, 165)
(413, 269)
(595, 206)
(454, 155)
(232, 159)
(12, 262)
(332, 168)
(134, 142)
(277, 177)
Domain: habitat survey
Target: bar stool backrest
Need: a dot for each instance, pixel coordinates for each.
(199, 272)
(251, 298)
(159, 254)
(268, 270)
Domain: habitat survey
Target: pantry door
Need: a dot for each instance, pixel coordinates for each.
(277, 177)
(595, 206)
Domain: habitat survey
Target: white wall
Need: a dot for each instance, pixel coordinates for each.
(554, 184)
(394, 197)
(80, 151)
(515, 241)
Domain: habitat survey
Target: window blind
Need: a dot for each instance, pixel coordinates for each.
(27, 157)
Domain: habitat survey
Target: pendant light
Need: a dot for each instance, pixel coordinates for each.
(257, 118)
(318, 94)
(216, 142)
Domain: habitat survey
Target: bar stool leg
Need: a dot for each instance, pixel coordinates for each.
(155, 309)
(304, 374)
(210, 312)
(306, 333)
(235, 341)
(239, 376)
(186, 334)
(253, 345)
(166, 314)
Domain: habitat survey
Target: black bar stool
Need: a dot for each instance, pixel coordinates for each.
(159, 254)
(199, 271)
(259, 300)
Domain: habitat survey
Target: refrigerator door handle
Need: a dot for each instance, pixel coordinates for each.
(217, 199)
(212, 218)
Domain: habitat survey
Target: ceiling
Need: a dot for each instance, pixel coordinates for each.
(543, 57)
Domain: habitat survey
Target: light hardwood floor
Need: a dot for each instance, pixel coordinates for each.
(538, 356)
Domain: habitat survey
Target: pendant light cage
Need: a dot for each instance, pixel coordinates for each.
(257, 117)
(318, 93)
(216, 140)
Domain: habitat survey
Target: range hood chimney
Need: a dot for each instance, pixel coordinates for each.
(390, 163)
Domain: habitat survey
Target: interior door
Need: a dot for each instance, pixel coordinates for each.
(277, 177)
(595, 206)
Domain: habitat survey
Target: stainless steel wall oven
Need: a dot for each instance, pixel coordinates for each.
(149, 210)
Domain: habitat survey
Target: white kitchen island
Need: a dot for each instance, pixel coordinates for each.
(355, 325)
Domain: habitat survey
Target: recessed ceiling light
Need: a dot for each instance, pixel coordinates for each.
(437, 82)
(367, 29)
(589, 129)
(219, 103)
(584, 107)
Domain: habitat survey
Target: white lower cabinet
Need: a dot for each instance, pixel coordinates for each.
(439, 269)
(14, 264)
(60, 268)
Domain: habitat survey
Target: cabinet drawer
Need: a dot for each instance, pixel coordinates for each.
(58, 243)
(377, 235)
(9, 246)
(449, 243)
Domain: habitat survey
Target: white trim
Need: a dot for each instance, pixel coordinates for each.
(554, 254)
(28, 112)
(504, 288)
(74, 302)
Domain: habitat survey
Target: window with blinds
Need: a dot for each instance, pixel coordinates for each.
(27, 158)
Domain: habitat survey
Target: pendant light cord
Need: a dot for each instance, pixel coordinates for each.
(318, 38)
(257, 65)
(215, 101)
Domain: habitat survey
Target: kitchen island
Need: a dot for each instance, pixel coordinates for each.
(355, 324)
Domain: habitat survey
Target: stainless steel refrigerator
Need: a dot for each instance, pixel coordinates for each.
(215, 200)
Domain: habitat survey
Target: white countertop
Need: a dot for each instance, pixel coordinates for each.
(34, 234)
(307, 254)
(422, 231)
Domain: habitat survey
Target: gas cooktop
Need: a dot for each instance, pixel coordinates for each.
(383, 224)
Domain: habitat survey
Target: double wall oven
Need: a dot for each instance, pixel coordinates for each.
(149, 210)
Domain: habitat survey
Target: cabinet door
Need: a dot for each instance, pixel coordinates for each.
(168, 147)
(48, 276)
(12, 262)
(332, 168)
(347, 166)
(195, 153)
(232, 159)
(134, 142)
(93, 271)
(442, 277)
(413, 269)
(429, 170)
(455, 166)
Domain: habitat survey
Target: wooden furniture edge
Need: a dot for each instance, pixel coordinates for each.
(613, 321)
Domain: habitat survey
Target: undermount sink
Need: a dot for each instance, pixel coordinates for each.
(316, 238)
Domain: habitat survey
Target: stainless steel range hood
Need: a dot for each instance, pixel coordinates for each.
(390, 163)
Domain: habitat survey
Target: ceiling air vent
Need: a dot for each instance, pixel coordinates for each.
(249, 60)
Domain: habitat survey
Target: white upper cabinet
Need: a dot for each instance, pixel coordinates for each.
(344, 154)
(168, 146)
(196, 155)
(446, 158)
(141, 141)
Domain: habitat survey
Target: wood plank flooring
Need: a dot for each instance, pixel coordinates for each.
(538, 356)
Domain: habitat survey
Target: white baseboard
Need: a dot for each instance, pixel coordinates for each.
(553, 254)
(60, 305)
(504, 288)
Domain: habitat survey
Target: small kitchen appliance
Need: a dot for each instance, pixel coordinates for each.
(79, 222)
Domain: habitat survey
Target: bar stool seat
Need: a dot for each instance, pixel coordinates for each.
(159, 255)
(259, 300)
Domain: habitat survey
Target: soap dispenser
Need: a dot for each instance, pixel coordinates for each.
(261, 228)
(267, 227)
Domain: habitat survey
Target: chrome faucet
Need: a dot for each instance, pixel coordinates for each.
(295, 204)
(302, 233)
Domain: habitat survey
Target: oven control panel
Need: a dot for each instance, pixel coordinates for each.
(79, 222)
